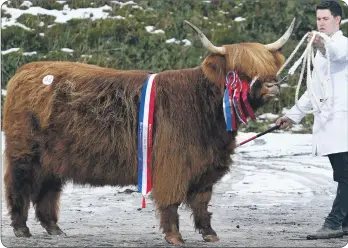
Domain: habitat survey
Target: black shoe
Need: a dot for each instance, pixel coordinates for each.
(345, 230)
(326, 233)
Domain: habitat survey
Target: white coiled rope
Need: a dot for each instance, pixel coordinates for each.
(308, 57)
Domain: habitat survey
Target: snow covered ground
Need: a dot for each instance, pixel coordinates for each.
(275, 194)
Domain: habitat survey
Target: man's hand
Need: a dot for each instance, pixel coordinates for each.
(318, 41)
(284, 122)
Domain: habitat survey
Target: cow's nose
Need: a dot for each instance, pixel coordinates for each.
(271, 85)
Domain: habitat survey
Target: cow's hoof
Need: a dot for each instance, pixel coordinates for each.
(22, 232)
(210, 238)
(56, 232)
(53, 229)
(174, 239)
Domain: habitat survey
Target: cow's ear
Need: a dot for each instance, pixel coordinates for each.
(214, 68)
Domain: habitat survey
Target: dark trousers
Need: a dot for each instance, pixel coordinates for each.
(339, 213)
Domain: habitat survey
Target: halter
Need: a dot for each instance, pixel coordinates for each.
(235, 102)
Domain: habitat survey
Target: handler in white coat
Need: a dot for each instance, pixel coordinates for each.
(330, 128)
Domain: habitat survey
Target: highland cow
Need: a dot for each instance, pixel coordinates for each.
(82, 126)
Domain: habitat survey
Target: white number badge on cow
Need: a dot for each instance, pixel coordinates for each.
(47, 80)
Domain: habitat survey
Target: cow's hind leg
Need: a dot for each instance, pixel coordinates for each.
(46, 203)
(198, 202)
(170, 224)
(18, 181)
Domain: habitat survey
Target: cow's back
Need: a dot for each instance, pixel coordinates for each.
(84, 119)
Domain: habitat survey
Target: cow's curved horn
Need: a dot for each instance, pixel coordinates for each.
(206, 43)
(279, 43)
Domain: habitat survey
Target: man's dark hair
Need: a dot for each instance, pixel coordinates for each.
(332, 5)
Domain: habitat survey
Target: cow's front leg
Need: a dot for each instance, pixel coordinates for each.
(198, 201)
(170, 224)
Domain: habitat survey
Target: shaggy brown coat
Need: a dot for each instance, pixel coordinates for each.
(83, 127)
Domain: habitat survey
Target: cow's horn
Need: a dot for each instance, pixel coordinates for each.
(206, 43)
(279, 43)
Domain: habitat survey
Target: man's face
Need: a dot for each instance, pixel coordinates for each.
(326, 22)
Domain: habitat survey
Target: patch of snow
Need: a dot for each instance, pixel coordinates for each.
(285, 85)
(297, 127)
(172, 40)
(26, 4)
(29, 53)
(67, 50)
(149, 28)
(118, 17)
(123, 4)
(268, 116)
(11, 50)
(187, 42)
(6, 22)
(158, 31)
(137, 7)
(239, 19)
(62, 16)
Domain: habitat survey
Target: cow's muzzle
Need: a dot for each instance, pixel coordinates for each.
(270, 90)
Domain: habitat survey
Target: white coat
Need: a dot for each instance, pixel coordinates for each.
(330, 127)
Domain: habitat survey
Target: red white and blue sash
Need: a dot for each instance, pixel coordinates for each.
(145, 131)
